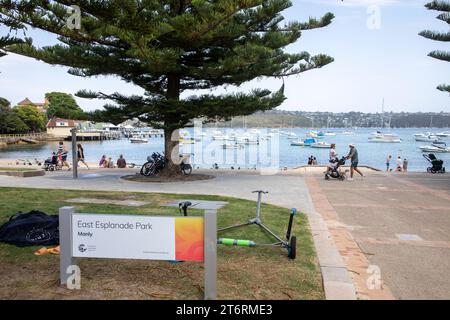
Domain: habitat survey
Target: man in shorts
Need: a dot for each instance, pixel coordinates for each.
(353, 156)
(62, 155)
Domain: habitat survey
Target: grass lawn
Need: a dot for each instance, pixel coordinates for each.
(243, 273)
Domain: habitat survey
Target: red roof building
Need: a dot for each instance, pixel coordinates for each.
(40, 106)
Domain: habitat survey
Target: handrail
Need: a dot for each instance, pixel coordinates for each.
(23, 135)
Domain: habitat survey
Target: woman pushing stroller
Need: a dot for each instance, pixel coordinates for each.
(333, 160)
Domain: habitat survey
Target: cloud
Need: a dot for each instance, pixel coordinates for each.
(366, 3)
(356, 3)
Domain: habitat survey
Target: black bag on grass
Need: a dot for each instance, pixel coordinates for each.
(34, 228)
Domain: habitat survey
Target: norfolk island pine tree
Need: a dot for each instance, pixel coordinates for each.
(444, 7)
(167, 47)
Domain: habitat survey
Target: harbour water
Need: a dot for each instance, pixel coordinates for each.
(275, 151)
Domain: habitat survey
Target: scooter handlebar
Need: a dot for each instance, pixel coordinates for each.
(260, 191)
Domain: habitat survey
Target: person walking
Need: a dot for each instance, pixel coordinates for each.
(80, 155)
(388, 163)
(353, 156)
(62, 155)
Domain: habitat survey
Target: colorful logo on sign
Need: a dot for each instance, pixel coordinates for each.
(189, 241)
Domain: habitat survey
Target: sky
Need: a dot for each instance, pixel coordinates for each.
(378, 55)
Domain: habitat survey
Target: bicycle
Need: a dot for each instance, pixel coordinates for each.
(157, 162)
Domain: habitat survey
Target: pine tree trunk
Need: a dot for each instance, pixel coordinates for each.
(171, 151)
(171, 135)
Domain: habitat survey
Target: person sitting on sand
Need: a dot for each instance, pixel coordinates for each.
(121, 162)
(101, 163)
(110, 163)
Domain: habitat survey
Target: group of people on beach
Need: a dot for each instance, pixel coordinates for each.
(104, 162)
(312, 161)
(107, 162)
(402, 164)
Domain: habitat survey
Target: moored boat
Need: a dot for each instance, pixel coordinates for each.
(436, 149)
(445, 134)
(232, 146)
(321, 144)
(309, 141)
(138, 140)
(379, 137)
(426, 137)
(298, 143)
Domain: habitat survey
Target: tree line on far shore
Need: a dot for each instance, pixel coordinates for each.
(303, 119)
(28, 118)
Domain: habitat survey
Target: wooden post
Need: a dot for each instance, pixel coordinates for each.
(74, 153)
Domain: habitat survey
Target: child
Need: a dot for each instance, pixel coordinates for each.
(388, 163)
(399, 164)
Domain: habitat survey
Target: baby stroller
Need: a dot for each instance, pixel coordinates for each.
(335, 173)
(52, 163)
(436, 164)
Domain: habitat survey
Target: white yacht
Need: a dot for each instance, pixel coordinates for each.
(232, 146)
(379, 137)
(426, 137)
(435, 148)
(321, 144)
(138, 140)
(445, 134)
(219, 135)
(298, 143)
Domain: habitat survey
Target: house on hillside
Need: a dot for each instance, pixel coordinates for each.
(86, 130)
(60, 127)
(42, 107)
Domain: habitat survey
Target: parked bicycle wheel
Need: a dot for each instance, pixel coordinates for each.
(186, 169)
(146, 168)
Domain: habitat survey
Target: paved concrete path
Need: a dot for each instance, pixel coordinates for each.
(286, 190)
(393, 225)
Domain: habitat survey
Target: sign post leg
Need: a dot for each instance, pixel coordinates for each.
(210, 238)
(65, 242)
